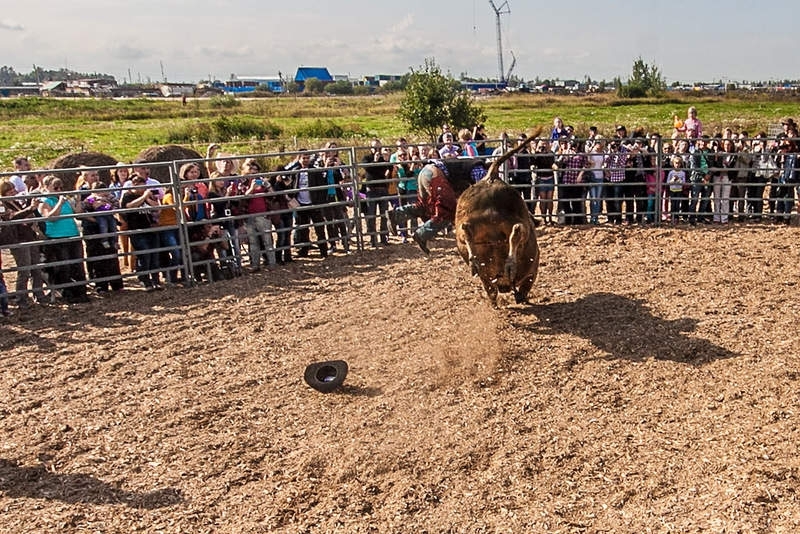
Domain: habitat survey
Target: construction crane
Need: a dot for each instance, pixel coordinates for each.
(502, 10)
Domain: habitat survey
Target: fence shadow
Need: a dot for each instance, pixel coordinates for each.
(38, 483)
(626, 329)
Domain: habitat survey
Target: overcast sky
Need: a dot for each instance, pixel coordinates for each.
(689, 40)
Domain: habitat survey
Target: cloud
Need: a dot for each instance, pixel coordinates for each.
(12, 25)
(127, 52)
(213, 51)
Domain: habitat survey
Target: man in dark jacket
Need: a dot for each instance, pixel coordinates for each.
(376, 178)
(312, 198)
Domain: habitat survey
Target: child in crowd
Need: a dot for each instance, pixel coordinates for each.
(675, 181)
(100, 203)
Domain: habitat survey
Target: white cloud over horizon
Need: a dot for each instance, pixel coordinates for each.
(705, 41)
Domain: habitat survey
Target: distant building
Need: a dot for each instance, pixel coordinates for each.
(247, 84)
(379, 80)
(484, 87)
(82, 87)
(19, 90)
(177, 89)
(306, 73)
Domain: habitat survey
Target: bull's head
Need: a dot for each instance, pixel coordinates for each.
(493, 253)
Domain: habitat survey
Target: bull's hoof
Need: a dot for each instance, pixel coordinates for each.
(519, 298)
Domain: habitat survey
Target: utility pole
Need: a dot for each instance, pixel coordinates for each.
(502, 10)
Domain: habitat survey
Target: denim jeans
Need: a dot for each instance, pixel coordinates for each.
(169, 238)
(146, 260)
(595, 198)
(699, 201)
(259, 228)
(376, 203)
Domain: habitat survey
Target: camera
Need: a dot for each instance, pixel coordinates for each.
(193, 190)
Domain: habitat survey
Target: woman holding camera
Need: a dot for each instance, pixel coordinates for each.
(144, 203)
(258, 222)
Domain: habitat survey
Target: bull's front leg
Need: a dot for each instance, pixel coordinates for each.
(491, 291)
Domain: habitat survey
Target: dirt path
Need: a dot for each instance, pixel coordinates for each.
(651, 386)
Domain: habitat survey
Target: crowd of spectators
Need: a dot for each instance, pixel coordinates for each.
(65, 244)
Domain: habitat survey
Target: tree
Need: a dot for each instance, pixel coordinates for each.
(314, 86)
(432, 99)
(645, 80)
(341, 87)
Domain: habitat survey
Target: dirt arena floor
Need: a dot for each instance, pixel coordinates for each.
(652, 385)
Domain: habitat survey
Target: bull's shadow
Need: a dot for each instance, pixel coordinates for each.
(38, 483)
(626, 329)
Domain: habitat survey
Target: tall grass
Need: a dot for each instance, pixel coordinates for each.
(45, 128)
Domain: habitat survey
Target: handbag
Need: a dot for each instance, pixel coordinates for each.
(293, 203)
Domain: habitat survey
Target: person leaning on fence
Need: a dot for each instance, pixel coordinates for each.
(21, 164)
(436, 203)
(311, 199)
(144, 201)
(595, 177)
(676, 179)
(699, 175)
(544, 179)
(789, 166)
(572, 169)
(281, 184)
(100, 236)
(520, 174)
(58, 210)
(25, 256)
(258, 222)
(377, 172)
(334, 212)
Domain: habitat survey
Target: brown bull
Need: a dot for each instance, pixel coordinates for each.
(496, 235)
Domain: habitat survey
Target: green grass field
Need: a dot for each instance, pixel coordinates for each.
(45, 128)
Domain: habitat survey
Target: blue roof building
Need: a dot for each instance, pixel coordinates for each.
(304, 73)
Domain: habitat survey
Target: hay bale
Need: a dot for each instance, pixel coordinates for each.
(165, 153)
(78, 159)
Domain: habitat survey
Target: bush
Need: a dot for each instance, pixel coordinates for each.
(224, 129)
(319, 129)
(224, 101)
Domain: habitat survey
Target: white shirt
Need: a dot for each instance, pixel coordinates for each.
(303, 195)
(19, 183)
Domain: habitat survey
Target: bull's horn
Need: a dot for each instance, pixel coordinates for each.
(494, 169)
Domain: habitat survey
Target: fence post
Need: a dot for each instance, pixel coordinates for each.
(183, 233)
(659, 181)
(356, 198)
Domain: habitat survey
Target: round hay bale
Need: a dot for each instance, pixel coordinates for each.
(78, 159)
(165, 153)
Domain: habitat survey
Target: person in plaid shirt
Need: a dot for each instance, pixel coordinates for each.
(616, 161)
(571, 188)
